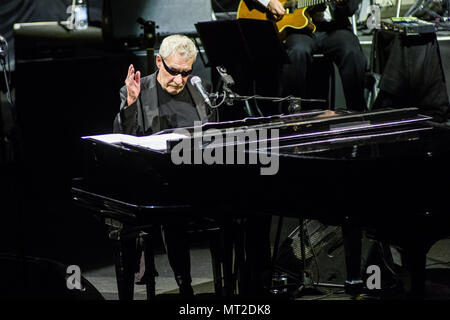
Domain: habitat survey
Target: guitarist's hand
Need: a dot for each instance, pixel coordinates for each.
(276, 8)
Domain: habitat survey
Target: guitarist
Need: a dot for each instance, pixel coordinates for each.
(334, 38)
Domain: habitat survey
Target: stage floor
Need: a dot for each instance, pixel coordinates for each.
(437, 284)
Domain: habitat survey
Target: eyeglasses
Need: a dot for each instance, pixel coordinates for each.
(175, 72)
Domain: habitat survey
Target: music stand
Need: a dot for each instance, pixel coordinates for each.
(250, 47)
(243, 41)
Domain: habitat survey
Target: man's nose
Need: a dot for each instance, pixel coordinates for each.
(178, 79)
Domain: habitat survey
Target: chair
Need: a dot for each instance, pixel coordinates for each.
(320, 58)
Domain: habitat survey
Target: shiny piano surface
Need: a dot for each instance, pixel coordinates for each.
(382, 169)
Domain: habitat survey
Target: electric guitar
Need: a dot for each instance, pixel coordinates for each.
(296, 15)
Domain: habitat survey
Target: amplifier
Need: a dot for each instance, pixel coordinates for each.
(408, 26)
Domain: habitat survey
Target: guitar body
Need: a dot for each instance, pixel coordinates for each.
(298, 19)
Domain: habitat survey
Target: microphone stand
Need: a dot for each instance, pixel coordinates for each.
(447, 17)
(229, 97)
(148, 42)
(422, 5)
(15, 150)
(2, 125)
(8, 90)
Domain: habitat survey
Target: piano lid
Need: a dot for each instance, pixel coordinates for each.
(317, 121)
(313, 130)
(295, 134)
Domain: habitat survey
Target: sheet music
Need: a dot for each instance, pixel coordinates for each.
(153, 142)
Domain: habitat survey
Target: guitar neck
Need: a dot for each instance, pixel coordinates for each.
(298, 4)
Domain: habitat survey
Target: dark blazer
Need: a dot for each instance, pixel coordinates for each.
(142, 117)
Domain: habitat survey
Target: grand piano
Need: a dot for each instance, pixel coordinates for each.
(382, 170)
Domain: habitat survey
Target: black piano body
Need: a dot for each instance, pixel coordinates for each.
(383, 170)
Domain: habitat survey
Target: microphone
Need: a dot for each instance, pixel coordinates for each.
(3, 47)
(197, 83)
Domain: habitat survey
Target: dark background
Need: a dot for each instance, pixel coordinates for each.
(59, 98)
(14, 11)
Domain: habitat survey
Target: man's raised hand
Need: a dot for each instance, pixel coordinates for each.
(133, 83)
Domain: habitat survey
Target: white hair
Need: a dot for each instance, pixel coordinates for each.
(180, 45)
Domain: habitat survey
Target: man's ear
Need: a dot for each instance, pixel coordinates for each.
(158, 61)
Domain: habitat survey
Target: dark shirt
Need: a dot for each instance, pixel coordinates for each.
(176, 111)
(339, 15)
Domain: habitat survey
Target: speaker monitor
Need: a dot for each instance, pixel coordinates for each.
(324, 253)
(170, 16)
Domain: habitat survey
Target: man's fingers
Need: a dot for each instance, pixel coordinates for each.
(130, 75)
(138, 78)
(133, 79)
(276, 8)
(278, 13)
(133, 84)
(130, 70)
(280, 9)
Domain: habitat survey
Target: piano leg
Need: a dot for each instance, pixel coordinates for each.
(125, 257)
(414, 258)
(150, 268)
(240, 270)
(352, 236)
(228, 241)
(215, 249)
(232, 259)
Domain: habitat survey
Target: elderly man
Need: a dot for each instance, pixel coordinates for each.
(163, 100)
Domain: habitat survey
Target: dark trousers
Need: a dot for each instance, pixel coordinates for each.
(176, 241)
(342, 47)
